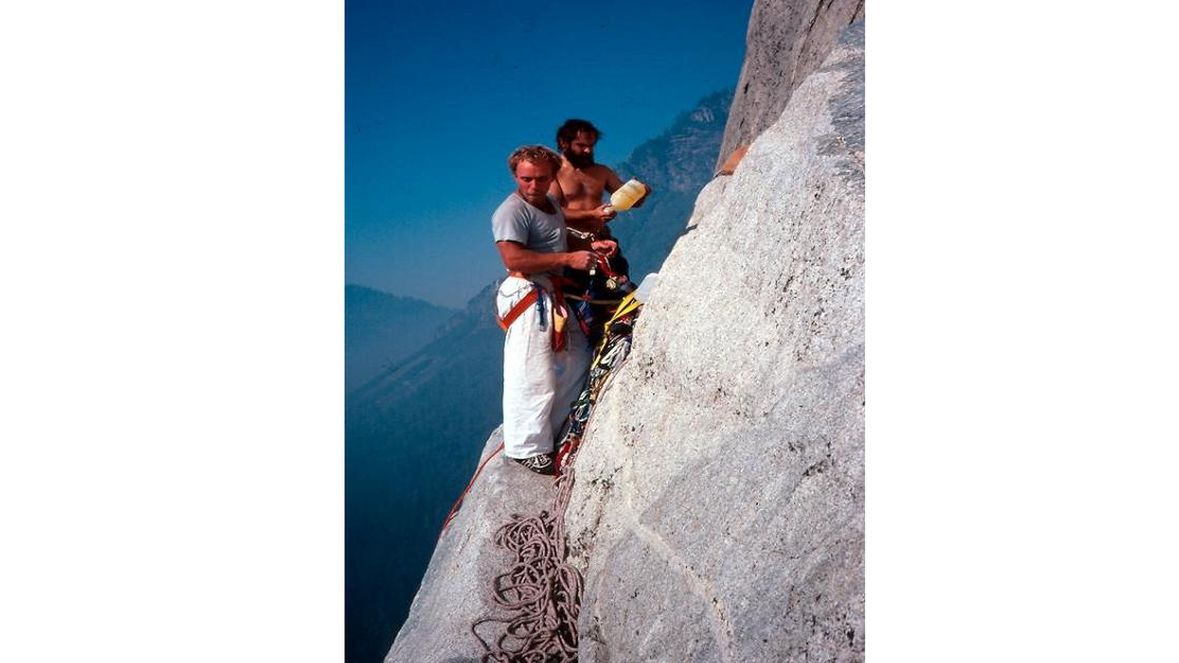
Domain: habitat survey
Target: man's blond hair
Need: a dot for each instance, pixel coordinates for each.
(537, 154)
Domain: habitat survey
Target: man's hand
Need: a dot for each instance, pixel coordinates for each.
(604, 213)
(582, 260)
(606, 247)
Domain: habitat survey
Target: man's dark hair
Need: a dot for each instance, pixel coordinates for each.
(573, 126)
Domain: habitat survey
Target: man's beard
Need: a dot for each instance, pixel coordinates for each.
(579, 161)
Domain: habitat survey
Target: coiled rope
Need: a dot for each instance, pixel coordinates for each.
(541, 593)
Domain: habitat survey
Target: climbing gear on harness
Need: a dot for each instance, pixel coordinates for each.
(561, 312)
(581, 234)
(614, 280)
(598, 292)
(613, 350)
(628, 305)
(542, 321)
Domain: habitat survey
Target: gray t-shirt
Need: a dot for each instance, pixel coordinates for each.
(516, 220)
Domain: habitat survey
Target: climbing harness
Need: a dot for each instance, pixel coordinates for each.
(518, 309)
(561, 311)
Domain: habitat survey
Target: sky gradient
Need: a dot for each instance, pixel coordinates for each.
(438, 94)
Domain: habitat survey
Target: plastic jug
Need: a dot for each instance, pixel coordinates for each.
(627, 195)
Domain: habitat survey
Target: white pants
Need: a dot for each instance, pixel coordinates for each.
(539, 384)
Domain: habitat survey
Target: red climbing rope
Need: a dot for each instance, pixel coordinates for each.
(462, 496)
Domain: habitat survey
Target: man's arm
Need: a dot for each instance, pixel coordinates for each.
(519, 259)
(557, 192)
(590, 220)
(613, 183)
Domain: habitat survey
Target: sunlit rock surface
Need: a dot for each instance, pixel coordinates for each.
(718, 511)
(786, 41)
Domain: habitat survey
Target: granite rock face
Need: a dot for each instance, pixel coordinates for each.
(718, 511)
(787, 40)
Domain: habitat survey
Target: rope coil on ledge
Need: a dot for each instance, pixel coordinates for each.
(541, 593)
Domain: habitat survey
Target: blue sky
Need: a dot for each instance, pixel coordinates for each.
(437, 95)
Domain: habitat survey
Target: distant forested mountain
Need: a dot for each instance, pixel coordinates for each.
(380, 329)
(414, 432)
(676, 167)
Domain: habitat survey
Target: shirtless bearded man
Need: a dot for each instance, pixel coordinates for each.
(581, 182)
(579, 186)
